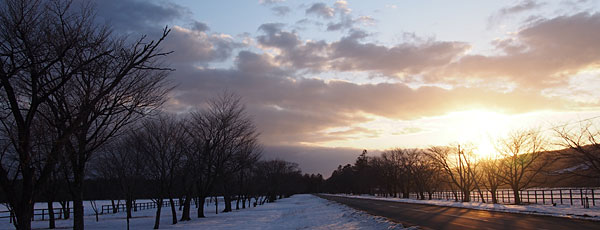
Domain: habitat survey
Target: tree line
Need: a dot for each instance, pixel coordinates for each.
(522, 160)
(79, 103)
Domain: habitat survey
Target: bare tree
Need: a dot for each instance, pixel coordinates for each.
(459, 165)
(584, 144)
(120, 161)
(490, 172)
(402, 164)
(522, 159)
(162, 142)
(38, 40)
(54, 58)
(111, 93)
(221, 135)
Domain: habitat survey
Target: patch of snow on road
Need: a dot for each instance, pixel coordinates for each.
(571, 211)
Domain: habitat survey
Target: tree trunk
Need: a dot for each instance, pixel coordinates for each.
(185, 215)
(466, 195)
(516, 194)
(51, 222)
(65, 205)
(216, 205)
(481, 195)
(128, 207)
(78, 222)
(173, 210)
(157, 217)
(128, 204)
(180, 203)
(201, 201)
(227, 200)
(237, 203)
(114, 208)
(494, 198)
(23, 214)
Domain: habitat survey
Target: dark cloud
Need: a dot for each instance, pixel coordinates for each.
(347, 22)
(295, 53)
(281, 10)
(198, 47)
(321, 10)
(270, 2)
(350, 54)
(520, 7)
(138, 16)
(200, 26)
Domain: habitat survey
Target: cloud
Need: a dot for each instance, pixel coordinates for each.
(292, 110)
(269, 2)
(350, 54)
(295, 53)
(321, 10)
(281, 10)
(349, 23)
(543, 54)
(200, 26)
(195, 46)
(520, 7)
(138, 16)
(342, 7)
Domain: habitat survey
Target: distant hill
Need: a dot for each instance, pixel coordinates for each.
(565, 171)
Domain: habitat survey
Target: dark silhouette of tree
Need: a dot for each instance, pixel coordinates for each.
(88, 83)
(522, 159)
(162, 141)
(223, 141)
(459, 165)
(585, 145)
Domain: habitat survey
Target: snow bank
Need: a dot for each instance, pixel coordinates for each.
(592, 213)
(296, 212)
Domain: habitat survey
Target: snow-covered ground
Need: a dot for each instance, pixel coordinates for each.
(592, 213)
(296, 212)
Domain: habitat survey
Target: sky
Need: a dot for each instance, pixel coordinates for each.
(325, 79)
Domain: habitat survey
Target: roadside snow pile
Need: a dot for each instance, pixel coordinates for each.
(296, 212)
(592, 213)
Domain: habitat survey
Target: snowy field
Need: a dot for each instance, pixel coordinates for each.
(296, 212)
(592, 213)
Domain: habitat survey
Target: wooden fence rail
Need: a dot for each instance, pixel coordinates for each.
(585, 197)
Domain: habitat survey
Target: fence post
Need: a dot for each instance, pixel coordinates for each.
(528, 201)
(593, 199)
(552, 196)
(561, 202)
(571, 195)
(587, 204)
(543, 196)
(535, 195)
(581, 196)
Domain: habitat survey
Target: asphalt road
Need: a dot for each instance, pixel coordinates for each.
(437, 217)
